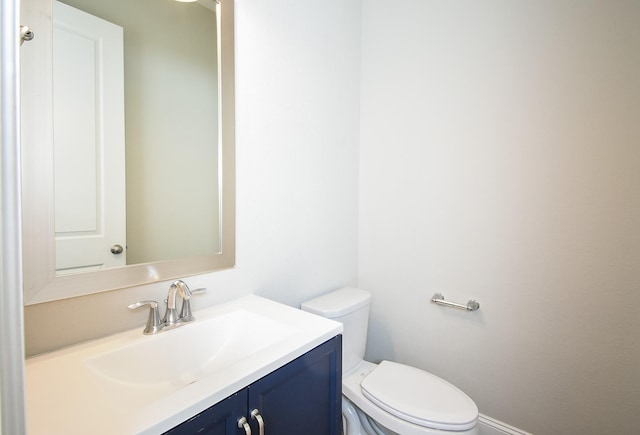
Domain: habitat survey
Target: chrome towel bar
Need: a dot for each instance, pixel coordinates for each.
(472, 305)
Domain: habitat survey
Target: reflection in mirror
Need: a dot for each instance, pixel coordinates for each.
(142, 84)
(134, 82)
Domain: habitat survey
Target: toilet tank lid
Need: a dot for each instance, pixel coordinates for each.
(338, 303)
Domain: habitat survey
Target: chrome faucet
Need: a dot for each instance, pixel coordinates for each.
(171, 317)
(171, 314)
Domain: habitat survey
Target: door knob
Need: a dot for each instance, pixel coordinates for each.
(117, 249)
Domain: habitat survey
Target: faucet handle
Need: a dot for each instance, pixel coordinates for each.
(153, 322)
(185, 311)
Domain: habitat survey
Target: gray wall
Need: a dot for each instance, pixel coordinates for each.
(499, 160)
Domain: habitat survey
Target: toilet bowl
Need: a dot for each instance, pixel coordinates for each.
(389, 398)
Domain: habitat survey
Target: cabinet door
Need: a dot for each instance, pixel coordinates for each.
(303, 397)
(220, 419)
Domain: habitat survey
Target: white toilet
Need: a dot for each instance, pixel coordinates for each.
(389, 398)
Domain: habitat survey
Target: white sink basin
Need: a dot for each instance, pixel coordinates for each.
(132, 383)
(181, 356)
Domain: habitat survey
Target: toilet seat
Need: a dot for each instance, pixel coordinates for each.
(419, 397)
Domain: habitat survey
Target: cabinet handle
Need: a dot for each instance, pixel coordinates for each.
(255, 415)
(242, 424)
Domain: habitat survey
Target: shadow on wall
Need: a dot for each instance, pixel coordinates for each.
(379, 329)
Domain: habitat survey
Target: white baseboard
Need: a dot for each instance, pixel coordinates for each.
(491, 426)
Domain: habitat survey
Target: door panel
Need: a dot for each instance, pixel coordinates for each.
(303, 397)
(221, 419)
(88, 89)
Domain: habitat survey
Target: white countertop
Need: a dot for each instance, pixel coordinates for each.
(65, 395)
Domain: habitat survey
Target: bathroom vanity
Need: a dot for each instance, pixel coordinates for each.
(303, 397)
(245, 355)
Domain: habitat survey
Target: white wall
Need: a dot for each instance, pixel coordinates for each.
(297, 75)
(499, 161)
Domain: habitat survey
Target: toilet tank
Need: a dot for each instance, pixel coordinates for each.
(349, 306)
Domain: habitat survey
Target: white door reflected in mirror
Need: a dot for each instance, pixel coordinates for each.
(88, 141)
(179, 148)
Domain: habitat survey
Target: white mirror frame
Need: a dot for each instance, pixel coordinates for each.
(40, 281)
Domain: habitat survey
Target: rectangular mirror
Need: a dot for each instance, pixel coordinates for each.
(128, 144)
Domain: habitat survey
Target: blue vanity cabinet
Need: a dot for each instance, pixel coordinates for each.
(220, 419)
(302, 397)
